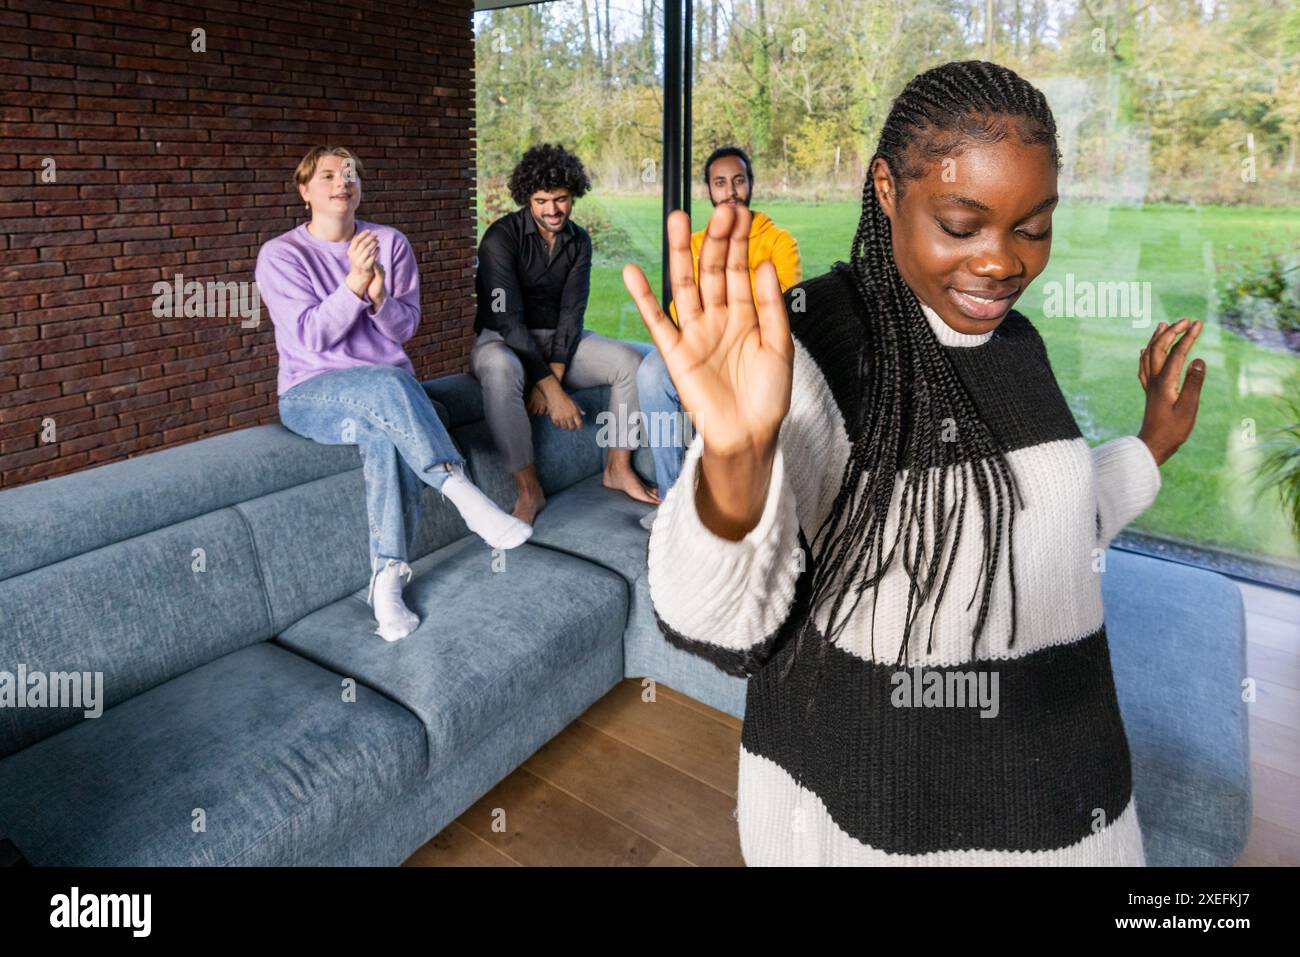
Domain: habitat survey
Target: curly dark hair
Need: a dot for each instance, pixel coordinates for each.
(547, 167)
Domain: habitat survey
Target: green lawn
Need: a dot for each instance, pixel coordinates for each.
(1208, 495)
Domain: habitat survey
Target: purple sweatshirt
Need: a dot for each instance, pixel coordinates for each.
(321, 324)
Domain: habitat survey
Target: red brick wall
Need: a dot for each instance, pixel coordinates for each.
(169, 160)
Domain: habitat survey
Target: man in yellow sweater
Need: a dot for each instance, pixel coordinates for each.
(729, 177)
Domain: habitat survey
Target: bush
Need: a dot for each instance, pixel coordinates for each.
(610, 243)
(494, 201)
(1263, 295)
(1280, 468)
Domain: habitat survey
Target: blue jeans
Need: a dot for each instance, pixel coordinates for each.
(664, 425)
(387, 414)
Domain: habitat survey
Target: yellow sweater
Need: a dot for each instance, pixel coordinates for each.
(766, 241)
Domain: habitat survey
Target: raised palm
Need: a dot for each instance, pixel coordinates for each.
(731, 360)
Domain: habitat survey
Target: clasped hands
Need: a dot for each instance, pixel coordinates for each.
(366, 277)
(547, 397)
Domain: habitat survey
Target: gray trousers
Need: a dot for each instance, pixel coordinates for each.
(596, 361)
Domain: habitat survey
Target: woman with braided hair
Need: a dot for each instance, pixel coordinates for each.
(889, 520)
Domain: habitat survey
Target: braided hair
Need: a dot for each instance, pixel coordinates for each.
(912, 396)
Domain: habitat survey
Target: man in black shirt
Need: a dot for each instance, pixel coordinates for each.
(534, 273)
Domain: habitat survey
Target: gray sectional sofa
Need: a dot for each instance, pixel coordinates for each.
(250, 716)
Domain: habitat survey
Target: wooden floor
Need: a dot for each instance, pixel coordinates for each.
(647, 776)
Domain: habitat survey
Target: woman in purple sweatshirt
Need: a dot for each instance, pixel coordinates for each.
(344, 296)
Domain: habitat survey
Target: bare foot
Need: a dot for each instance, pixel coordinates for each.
(528, 503)
(626, 480)
(529, 499)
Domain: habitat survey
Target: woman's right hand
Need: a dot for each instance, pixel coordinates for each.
(731, 361)
(362, 251)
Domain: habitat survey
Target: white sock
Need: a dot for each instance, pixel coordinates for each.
(395, 620)
(485, 519)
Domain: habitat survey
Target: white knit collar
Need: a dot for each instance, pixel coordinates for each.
(949, 336)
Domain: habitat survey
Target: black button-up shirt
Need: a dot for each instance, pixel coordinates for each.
(521, 285)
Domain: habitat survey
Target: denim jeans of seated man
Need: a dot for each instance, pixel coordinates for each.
(664, 426)
(386, 413)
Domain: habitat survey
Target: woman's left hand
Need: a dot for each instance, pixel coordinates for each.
(376, 290)
(1170, 410)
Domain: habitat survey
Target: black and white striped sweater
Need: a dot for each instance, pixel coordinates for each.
(852, 774)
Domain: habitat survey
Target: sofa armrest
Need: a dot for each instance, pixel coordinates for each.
(1177, 640)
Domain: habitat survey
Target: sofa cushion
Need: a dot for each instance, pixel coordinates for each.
(87, 510)
(495, 631)
(598, 523)
(140, 611)
(111, 503)
(390, 833)
(602, 525)
(1177, 644)
(261, 740)
(313, 544)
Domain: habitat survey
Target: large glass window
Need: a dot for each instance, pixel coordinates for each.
(1179, 124)
(587, 74)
